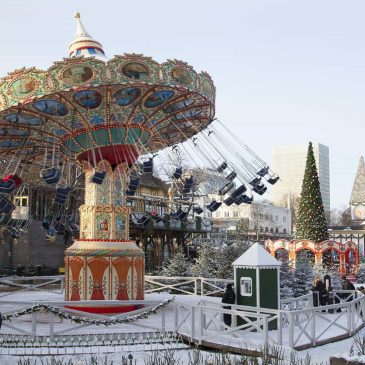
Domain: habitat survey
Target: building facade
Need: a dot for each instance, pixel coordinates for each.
(257, 220)
(289, 163)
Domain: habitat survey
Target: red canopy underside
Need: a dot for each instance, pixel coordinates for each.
(115, 154)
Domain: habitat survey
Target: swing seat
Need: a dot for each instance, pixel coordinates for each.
(260, 189)
(222, 166)
(130, 192)
(180, 214)
(61, 195)
(178, 172)
(6, 206)
(98, 177)
(226, 188)
(243, 199)
(229, 201)
(256, 181)
(148, 166)
(188, 185)
(45, 224)
(273, 180)
(239, 191)
(144, 221)
(198, 210)
(132, 186)
(231, 176)
(9, 183)
(51, 176)
(264, 171)
(7, 187)
(213, 206)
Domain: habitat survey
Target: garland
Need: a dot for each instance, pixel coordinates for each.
(58, 312)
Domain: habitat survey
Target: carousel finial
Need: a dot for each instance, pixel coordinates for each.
(84, 44)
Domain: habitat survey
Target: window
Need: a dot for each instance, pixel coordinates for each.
(276, 218)
(226, 214)
(246, 287)
(235, 214)
(284, 218)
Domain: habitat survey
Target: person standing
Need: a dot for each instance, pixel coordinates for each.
(229, 297)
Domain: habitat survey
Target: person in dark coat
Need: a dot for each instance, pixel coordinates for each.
(229, 297)
(319, 293)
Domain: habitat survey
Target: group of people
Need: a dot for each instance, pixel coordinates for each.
(323, 295)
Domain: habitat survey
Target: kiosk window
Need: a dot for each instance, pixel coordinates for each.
(246, 287)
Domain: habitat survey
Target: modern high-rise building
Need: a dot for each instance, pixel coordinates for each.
(289, 163)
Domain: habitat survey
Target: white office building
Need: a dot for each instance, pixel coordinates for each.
(289, 163)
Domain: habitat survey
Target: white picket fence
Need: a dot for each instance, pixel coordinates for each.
(297, 324)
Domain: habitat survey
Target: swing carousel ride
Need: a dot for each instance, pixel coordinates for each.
(116, 119)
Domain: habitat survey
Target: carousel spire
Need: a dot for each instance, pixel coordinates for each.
(84, 44)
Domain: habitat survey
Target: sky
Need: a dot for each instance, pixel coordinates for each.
(286, 72)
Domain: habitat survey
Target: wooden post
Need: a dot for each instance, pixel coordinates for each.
(291, 329)
(313, 327)
(192, 324)
(34, 323)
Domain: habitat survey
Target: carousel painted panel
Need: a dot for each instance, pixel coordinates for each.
(103, 225)
(121, 278)
(97, 278)
(76, 278)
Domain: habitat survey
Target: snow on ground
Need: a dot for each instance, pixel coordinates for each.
(318, 354)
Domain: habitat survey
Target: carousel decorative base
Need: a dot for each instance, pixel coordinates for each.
(104, 270)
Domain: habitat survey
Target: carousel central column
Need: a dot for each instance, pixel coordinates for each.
(103, 263)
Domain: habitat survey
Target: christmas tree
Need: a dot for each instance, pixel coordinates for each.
(360, 275)
(177, 265)
(287, 280)
(311, 221)
(303, 274)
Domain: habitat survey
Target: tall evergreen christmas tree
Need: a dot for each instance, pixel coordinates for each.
(311, 221)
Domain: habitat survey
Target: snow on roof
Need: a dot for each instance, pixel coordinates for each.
(256, 255)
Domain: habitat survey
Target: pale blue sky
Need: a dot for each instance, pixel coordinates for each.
(286, 71)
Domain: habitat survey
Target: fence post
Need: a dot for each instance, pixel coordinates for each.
(349, 319)
(163, 321)
(51, 325)
(202, 322)
(192, 324)
(313, 327)
(176, 317)
(195, 286)
(201, 286)
(62, 283)
(265, 329)
(34, 323)
(280, 329)
(291, 329)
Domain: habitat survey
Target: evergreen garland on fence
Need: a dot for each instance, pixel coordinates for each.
(59, 313)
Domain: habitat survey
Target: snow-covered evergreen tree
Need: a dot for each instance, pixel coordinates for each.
(177, 265)
(320, 271)
(287, 280)
(215, 261)
(207, 263)
(360, 275)
(336, 282)
(303, 274)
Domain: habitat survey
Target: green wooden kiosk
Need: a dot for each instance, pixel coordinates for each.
(257, 279)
